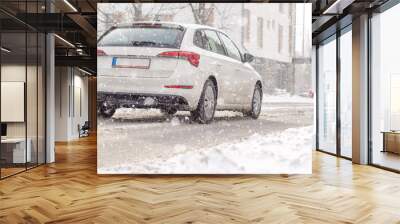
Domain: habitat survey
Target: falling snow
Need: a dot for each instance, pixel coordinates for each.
(144, 141)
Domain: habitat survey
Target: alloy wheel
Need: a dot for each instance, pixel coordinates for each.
(209, 102)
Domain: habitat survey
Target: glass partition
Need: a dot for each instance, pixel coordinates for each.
(22, 90)
(327, 96)
(13, 94)
(385, 89)
(346, 93)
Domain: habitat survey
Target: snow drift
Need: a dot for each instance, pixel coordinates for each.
(286, 152)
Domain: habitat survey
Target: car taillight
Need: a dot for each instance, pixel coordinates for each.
(101, 52)
(192, 57)
(178, 87)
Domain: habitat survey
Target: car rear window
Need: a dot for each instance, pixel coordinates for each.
(143, 37)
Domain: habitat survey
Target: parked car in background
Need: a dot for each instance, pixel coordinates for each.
(309, 93)
(174, 67)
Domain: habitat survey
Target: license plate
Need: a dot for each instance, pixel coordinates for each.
(142, 63)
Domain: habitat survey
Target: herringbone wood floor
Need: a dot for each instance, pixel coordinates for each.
(70, 191)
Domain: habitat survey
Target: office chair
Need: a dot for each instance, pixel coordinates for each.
(84, 130)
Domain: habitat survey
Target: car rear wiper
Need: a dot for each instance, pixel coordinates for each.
(143, 43)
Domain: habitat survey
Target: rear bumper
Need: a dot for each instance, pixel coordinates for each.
(138, 100)
(134, 89)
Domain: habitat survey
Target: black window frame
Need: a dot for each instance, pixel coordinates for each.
(234, 44)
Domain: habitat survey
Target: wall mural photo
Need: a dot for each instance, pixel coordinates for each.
(204, 88)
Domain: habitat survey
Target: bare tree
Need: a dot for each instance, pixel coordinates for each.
(136, 10)
(111, 14)
(106, 17)
(138, 13)
(225, 13)
(202, 12)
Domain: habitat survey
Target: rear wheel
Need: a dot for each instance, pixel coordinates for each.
(256, 103)
(205, 111)
(107, 112)
(106, 109)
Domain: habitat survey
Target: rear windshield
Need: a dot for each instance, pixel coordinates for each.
(143, 37)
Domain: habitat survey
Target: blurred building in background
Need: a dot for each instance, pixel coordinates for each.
(267, 33)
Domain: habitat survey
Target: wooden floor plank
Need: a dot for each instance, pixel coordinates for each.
(70, 191)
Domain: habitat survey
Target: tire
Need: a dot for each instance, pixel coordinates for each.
(168, 111)
(256, 103)
(205, 111)
(107, 112)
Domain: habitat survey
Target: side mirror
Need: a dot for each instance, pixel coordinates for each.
(248, 57)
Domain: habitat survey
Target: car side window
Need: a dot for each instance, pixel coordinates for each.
(214, 42)
(200, 40)
(230, 47)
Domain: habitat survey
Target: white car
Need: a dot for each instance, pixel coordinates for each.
(175, 67)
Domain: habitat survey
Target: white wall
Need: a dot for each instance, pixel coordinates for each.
(71, 87)
(272, 18)
(61, 103)
(12, 100)
(34, 125)
(15, 73)
(80, 104)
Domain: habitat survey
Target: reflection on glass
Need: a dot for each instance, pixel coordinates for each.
(346, 94)
(327, 97)
(13, 84)
(22, 91)
(386, 89)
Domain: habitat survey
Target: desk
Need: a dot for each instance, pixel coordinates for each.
(15, 148)
(391, 141)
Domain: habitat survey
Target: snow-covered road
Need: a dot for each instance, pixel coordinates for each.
(145, 141)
